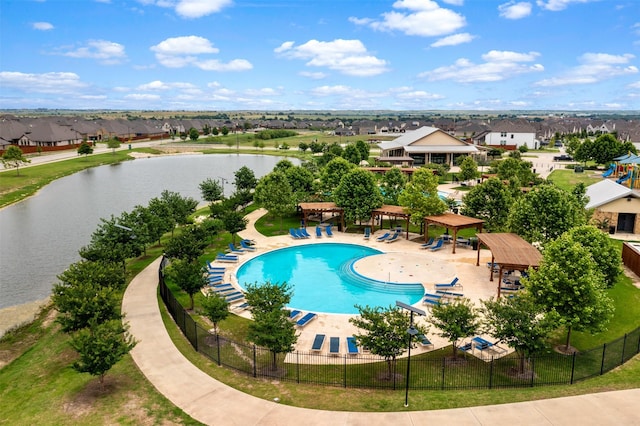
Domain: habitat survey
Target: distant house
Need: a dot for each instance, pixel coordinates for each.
(511, 135)
(615, 205)
(423, 146)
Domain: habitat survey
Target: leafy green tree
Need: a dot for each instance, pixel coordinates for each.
(189, 245)
(603, 250)
(271, 327)
(100, 274)
(215, 308)
(303, 146)
(85, 149)
(193, 134)
(110, 242)
(518, 323)
(352, 154)
(275, 193)
(160, 220)
(333, 173)
(113, 144)
(101, 346)
(605, 148)
(456, 321)
(383, 331)
(283, 165)
(224, 130)
(569, 283)
(179, 207)
(515, 170)
(245, 179)
(468, 169)
(544, 213)
(392, 184)
(188, 276)
(301, 181)
(234, 222)
(211, 190)
(358, 195)
(490, 201)
(364, 149)
(80, 302)
(420, 196)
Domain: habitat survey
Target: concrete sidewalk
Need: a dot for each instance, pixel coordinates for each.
(212, 402)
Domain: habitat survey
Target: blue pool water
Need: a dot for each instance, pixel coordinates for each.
(323, 279)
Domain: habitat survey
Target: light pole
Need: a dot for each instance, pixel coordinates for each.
(223, 181)
(411, 331)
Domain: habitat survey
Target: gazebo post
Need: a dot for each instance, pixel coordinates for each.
(455, 239)
(499, 280)
(491, 267)
(478, 254)
(407, 228)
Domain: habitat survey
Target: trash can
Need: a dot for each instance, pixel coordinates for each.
(474, 243)
(612, 229)
(129, 146)
(578, 169)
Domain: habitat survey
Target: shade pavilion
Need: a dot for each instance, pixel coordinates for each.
(454, 222)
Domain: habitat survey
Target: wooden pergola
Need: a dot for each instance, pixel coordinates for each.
(452, 221)
(509, 251)
(321, 208)
(391, 211)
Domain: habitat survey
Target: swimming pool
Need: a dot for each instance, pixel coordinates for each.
(323, 278)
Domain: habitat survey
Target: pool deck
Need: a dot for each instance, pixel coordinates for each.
(403, 261)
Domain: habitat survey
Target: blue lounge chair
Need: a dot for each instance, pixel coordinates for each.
(294, 234)
(234, 297)
(424, 341)
(215, 281)
(234, 250)
(465, 347)
(352, 346)
(450, 294)
(428, 244)
(383, 237)
(293, 314)
(225, 291)
(318, 343)
(212, 268)
(437, 246)
(483, 344)
(367, 233)
(306, 319)
(334, 345)
(455, 283)
(318, 232)
(394, 237)
(304, 233)
(328, 231)
(242, 306)
(246, 247)
(221, 257)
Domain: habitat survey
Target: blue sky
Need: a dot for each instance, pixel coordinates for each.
(320, 54)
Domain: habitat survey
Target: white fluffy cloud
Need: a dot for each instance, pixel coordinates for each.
(51, 82)
(497, 66)
(179, 52)
(594, 67)
(42, 26)
(453, 40)
(107, 52)
(348, 57)
(416, 17)
(191, 8)
(513, 10)
(557, 5)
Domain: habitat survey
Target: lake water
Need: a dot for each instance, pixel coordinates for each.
(40, 236)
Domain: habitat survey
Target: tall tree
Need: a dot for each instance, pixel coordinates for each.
(113, 144)
(211, 190)
(569, 283)
(13, 157)
(392, 184)
(215, 308)
(111, 242)
(179, 207)
(456, 321)
(420, 196)
(245, 179)
(271, 327)
(364, 149)
(468, 169)
(275, 194)
(301, 181)
(188, 276)
(358, 195)
(384, 332)
(518, 323)
(333, 172)
(101, 346)
(99, 273)
(490, 201)
(605, 253)
(85, 149)
(352, 154)
(193, 134)
(544, 213)
(234, 222)
(188, 245)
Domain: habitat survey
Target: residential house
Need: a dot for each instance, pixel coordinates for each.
(616, 206)
(511, 135)
(423, 146)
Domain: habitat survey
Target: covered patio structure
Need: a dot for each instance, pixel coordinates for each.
(321, 208)
(510, 252)
(390, 211)
(452, 221)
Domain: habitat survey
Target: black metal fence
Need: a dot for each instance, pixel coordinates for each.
(370, 371)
